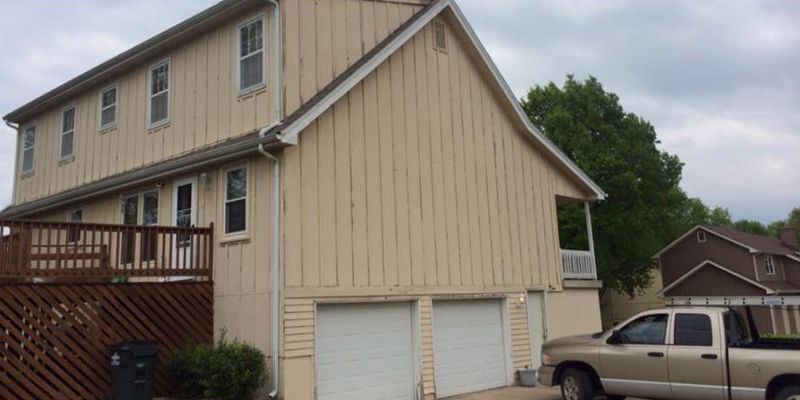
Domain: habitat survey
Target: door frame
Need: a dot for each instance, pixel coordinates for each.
(174, 219)
(545, 319)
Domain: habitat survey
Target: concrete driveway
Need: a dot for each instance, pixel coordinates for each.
(514, 393)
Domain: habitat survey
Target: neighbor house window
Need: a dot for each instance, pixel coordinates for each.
(74, 215)
(108, 107)
(68, 133)
(251, 54)
(769, 263)
(701, 236)
(236, 200)
(439, 36)
(28, 142)
(158, 92)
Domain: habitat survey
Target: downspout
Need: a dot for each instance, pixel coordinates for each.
(16, 162)
(276, 201)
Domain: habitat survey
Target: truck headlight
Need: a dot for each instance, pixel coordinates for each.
(546, 359)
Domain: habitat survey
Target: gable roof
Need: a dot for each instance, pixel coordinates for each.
(753, 243)
(294, 125)
(288, 131)
(710, 263)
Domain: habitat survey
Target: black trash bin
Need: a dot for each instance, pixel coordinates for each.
(133, 367)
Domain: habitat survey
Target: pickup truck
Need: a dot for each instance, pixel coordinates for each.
(686, 353)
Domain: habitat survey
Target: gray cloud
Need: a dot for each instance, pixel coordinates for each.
(718, 79)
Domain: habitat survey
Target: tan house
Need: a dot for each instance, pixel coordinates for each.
(616, 306)
(710, 261)
(384, 212)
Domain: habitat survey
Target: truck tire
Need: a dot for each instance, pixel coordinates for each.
(791, 392)
(577, 385)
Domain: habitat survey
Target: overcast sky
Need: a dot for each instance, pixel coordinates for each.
(720, 80)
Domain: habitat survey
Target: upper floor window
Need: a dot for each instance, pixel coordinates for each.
(68, 133)
(769, 264)
(108, 107)
(701, 236)
(236, 200)
(251, 54)
(28, 142)
(439, 36)
(158, 93)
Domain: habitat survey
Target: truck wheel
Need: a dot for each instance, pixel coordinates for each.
(576, 385)
(791, 392)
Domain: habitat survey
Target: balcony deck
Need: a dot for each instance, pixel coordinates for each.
(35, 251)
(578, 264)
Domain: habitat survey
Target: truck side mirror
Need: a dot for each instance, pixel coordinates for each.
(615, 338)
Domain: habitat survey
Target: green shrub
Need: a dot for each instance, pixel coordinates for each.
(227, 370)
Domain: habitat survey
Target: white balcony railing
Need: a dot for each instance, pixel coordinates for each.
(578, 264)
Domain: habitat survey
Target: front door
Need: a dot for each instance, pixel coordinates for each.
(536, 326)
(184, 215)
(637, 367)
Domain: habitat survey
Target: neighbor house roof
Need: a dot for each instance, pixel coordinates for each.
(751, 242)
(711, 264)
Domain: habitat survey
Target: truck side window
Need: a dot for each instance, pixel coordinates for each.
(735, 332)
(649, 329)
(693, 330)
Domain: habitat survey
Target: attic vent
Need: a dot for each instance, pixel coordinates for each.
(701, 236)
(439, 36)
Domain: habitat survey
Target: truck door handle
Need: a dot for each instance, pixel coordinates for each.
(655, 354)
(709, 356)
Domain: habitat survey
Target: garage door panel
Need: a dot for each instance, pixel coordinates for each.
(365, 351)
(469, 350)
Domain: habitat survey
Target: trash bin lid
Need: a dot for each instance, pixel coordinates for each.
(139, 348)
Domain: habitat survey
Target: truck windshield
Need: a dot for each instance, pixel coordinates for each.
(735, 331)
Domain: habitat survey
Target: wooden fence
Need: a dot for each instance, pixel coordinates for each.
(54, 338)
(80, 252)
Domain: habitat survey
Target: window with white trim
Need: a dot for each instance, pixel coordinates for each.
(28, 143)
(108, 107)
(701, 236)
(158, 93)
(68, 133)
(74, 215)
(251, 54)
(236, 200)
(769, 264)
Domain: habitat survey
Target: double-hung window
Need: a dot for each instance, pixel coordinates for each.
(158, 94)
(28, 143)
(108, 107)
(236, 200)
(67, 151)
(769, 264)
(251, 54)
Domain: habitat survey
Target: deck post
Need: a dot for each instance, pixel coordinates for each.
(589, 234)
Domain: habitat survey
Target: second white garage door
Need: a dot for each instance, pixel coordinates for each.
(365, 352)
(468, 346)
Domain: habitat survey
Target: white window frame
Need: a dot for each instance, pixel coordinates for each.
(769, 265)
(70, 156)
(150, 95)
(263, 83)
(701, 236)
(23, 171)
(103, 128)
(246, 169)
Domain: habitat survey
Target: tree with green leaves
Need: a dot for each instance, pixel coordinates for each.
(645, 207)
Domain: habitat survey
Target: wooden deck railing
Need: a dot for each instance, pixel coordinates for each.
(578, 264)
(31, 250)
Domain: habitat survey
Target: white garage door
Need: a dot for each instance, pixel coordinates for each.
(365, 351)
(468, 346)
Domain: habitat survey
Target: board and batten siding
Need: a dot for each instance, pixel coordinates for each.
(242, 277)
(416, 185)
(417, 178)
(321, 39)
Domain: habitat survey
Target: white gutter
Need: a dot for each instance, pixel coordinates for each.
(16, 162)
(276, 201)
